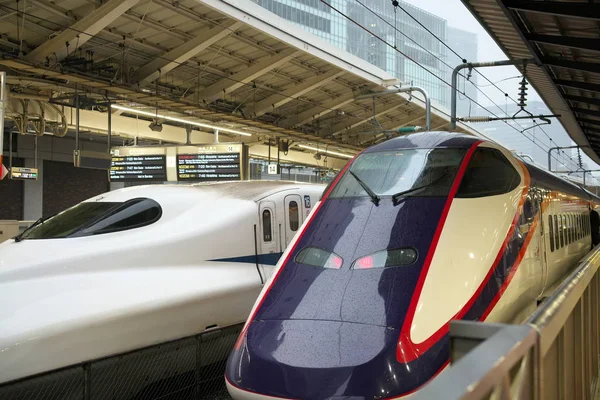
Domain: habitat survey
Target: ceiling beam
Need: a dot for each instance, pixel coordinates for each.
(574, 65)
(345, 126)
(567, 41)
(172, 59)
(317, 112)
(559, 8)
(277, 100)
(237, 80)
(592, 87)
(581, 99)
(590, 129)
(594, 113)
(588, 121)
(81, 31)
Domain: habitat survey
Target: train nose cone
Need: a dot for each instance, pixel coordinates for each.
(310, 359)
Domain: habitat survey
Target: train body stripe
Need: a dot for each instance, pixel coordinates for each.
(402, 356)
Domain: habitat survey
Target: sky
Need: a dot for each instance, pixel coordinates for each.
(459, 16)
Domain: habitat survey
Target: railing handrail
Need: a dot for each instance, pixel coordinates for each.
(553, 313)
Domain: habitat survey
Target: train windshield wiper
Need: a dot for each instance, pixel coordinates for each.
(372, 195)
(19, 237)
(396, 196)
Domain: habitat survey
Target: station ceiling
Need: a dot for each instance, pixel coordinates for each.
(563, 37)
(221, 62)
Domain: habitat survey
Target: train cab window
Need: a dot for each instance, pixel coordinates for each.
(317, 257)
(551, 232)
(386, 258)
(556, 233)
(294, 216)
(489, 174)
(94, 218)
(390, 172)
(266, 223)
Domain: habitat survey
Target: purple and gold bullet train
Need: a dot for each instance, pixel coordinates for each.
(412, 233)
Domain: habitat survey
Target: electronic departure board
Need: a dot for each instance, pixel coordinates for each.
(209, 167)
(138, 168)
(23, 173)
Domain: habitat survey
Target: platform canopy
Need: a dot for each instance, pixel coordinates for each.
(563, 37)
(223, 63)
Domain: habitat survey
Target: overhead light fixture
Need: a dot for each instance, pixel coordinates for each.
(333, 153)
(181, 121)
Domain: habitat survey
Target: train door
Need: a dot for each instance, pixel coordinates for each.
(293, 216)
(267, 239)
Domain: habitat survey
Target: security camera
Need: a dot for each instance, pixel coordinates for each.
(156, 126)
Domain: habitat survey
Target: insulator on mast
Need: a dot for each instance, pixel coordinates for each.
(523, 93)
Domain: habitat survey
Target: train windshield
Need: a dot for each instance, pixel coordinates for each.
(389, 173)
(93, 218)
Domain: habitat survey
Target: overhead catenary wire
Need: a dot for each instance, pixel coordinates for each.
(432, 73)
(478, 72)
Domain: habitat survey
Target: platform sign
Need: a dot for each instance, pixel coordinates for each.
(139, 167)
(272, 169)
(216, 162)
(29, 174)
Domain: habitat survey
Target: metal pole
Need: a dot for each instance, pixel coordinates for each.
(35, 151)
(2, 106)
(454, 88)
(216, 136)
(76, 122)
(109, 128)
(550, 157)
(407, 90)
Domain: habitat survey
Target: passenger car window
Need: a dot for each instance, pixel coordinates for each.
(562, 230)
(94, 218)
(386, 258)
(294, 216)
(489, 173)
(266, 223)
(551, 231)
(556, 233)
(317, 257)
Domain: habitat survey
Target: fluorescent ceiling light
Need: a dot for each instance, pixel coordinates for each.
(333, 153)
(182, 121)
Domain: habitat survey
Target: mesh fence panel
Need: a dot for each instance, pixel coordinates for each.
(189, 368)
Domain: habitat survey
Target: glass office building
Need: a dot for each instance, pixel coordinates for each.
(394, 42)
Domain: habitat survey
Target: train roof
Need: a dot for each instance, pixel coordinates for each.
(426, 140)
(242, 190)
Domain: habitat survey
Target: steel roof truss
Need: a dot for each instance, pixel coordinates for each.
(81, 31)
(560, 8)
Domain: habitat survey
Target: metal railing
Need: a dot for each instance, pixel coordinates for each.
(553, 355)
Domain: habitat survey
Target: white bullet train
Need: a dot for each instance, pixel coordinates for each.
(139, 266)
(413, 233)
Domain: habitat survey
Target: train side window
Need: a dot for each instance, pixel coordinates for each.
(489, 174)
(294, 216)
(551, 231)
(562, 230)
(266, 222)
(556, 233)
(570, 224)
